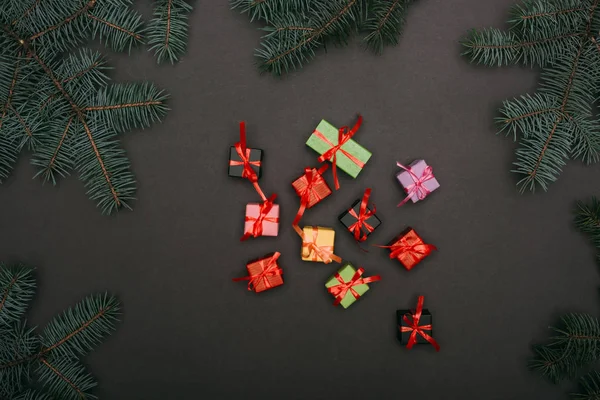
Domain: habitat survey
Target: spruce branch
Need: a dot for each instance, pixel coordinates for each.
(61, 107)
(296, 29)
(168, 30)
(51, 360)
(575, 344)
(17, 288)
(286, 49)
(267, 9)
(556, 123)
(589, 387)
(576, 340)
(384, 23)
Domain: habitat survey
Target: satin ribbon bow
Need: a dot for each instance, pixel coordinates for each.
(344, 135)
(270, 268)
(409, 249)
(312, 178)
(417, 188)
(244, 153)
(361, 218)
(325, 253)
(263, 212)
(416, 329)
(340, 291)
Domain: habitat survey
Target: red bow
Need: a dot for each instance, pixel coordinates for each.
(361, 218)
(269, 269)
(343, 136)
(415, 328)
(244, 153)
(417, 187)
(340, 291)
(325, 253)
(306, 190)
(257, 227)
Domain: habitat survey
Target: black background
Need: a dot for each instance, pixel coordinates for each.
(507, 265)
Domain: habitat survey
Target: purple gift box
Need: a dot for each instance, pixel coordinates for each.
(418, 169)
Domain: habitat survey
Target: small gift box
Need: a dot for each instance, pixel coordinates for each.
(347, 285)
(417, 180)
(245, 162)
(318, 244)
(262, 219)
(263, 274)
(416, 326)
(351, 156)
(359, 219)
(311, 186)
(409, 248)
(238, 165)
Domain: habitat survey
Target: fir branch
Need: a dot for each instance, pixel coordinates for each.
(168, 30)
(81, 117)
(65, 378)
(48, 101)
(50, 361)
(269, 10)
(64, 21)
(80, 329)
(556, 124)
(33, 395)
(576, 344)
(129, 106)
(52, 156)
(17, 288)
(284, 50)
(385, 23)
(589, 387)
(120, 28)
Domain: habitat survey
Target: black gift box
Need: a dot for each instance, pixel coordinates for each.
(348, 220)
(237, 170)
(425, 319)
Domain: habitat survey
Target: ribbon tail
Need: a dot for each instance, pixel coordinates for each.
(246, 236)
(410, 194)
(259, 190)
(335, 176)
(300, 213)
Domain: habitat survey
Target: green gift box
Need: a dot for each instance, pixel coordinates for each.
(346, 273)
(351, 147)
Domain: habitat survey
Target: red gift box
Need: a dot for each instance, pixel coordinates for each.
(409, 248)
(263, 274)
(312, 188)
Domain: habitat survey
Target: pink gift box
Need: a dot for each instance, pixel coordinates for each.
(270, 224)
(406, 179)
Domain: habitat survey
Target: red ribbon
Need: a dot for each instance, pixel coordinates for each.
(361, 218)
(269, 269)
(416, 329)
(257, 227)
(343, 136)
(307, 191)
(244, 153)
(340, 291)
(417, 186)
(325, 253)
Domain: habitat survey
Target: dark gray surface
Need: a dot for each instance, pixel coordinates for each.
(507, 263)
